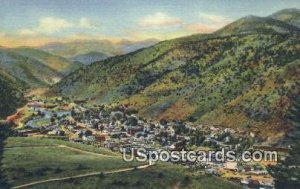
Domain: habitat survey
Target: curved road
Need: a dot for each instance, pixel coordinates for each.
(81, 176)
(76, 176)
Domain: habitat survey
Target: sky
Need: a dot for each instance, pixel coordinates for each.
(37, 22)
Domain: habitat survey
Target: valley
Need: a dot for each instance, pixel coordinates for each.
(70, 110)
(57, 126)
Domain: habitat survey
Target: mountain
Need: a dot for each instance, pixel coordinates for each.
(29, 70)
(36, 68)
(291, 16)
(79, 47)
(127, 46)
(57, 63)
(254, 24)
(245, 76)
(89, 58)
(11, 96)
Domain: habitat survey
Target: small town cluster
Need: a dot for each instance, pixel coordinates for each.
(121, 130)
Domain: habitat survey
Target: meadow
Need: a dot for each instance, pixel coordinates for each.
(31, 159)
(162, 175)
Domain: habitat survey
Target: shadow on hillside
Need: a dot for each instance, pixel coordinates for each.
(5, 132)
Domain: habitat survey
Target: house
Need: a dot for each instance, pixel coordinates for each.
(35, 104)
(245, 182)
(171, 131)
(140, 134)
(79, 126)
(230, 166)
(101, 137)
(89, 138)
(77, 140)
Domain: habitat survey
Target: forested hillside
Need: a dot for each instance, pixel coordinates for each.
(11, 94)
(231, 77)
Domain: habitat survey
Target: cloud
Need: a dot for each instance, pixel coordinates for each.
(214, 20)
(48, 25)
(52, 25)
(199, 28)
(86, 23)
(159, 19)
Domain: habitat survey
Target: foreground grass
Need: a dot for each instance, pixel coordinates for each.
(22, 163)
(35, 141)
(160, 176)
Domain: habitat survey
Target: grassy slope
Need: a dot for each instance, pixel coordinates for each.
(160, 176)
(22, 164)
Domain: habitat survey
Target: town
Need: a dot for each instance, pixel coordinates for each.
(121, 130)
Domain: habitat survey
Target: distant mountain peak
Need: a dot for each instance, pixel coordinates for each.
(255, 24)
(290, 16)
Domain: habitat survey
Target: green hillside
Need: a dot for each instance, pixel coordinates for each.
(162, 176)
(36, 68)
(238, 79)
(254, 24)
(56, 63)
(291, 16)
(90, 57)
(53, 159)
(11, 94)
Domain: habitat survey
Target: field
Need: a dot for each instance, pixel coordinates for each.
(30, 159)
(156, 177)
(26, 160)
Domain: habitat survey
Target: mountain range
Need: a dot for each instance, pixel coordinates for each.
(106, 47)
(28, 68)
(36, 68)
(244, 75)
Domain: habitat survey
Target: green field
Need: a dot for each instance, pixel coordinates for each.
(30, 159)
(159, 176)
(34, 159)
(28, 141)
(41, 122)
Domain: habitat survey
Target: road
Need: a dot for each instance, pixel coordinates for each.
(76, 176)
(81, 176)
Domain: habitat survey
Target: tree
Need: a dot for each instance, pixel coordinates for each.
(287, 173)
(101, 128)
(5, 132)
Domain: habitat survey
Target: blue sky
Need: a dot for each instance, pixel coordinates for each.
(41, 21)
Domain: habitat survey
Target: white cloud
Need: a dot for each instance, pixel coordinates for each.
(159, 19)
(215, 21)
(51, 25)
(86, 23)
(48, 25)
